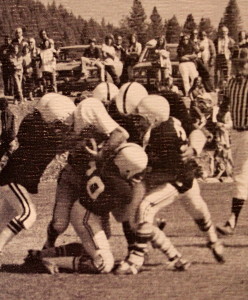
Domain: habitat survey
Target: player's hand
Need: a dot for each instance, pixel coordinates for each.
(187, 152)
(93, 148)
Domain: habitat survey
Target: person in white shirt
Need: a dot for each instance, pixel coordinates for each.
(132, 54)
(207, 54)
(109, 57)
(48, 66)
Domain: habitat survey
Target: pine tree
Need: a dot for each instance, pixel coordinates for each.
(136, 20)
(156, 26)
(189, 24)
(232, 19)
(173, 30)
(205, 25)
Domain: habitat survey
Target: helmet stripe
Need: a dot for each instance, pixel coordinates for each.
(108, 91)
(125, 98)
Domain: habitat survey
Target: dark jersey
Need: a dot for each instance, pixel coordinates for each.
(103, 189)
(37, 147)
(164, 155)
(129, 123)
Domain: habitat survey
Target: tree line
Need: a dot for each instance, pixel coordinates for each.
(67, 29)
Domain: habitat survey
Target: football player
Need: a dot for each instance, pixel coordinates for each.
(41, 136)
(172, 173)
(93, 126)
(103, 190)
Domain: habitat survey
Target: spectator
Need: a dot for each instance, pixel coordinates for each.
(207, 54)
(119, 49)
(164, 59)
(35, 56)
(92, 56)
(132, 54)
(109, 58)
(187, 54)
(4, 58)
(243, 39)
(224, 46)
(48, 67)
(27, 82)
(19, 39)
(169, 85)
(44, 37)
(16, 69)
(197, 88)
(194, 37)
(8, 142)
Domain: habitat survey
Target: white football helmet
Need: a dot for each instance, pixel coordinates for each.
(129, 97)
(106, 92)
(154, 108)
(55, 107)
(131, 160)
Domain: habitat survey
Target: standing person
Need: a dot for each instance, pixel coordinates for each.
(27, 74)
(132, 54)
(48, 67)
(109, 56)
(4, 58)
(119, 49)
(187, 54)
(8, 142)
(164, 59)
(237, 99)
(19, 39)
(16, 67)
(208, 54)
(44, 37)
(92, 56)
(35, 56)
(224, 47)
(243, 43)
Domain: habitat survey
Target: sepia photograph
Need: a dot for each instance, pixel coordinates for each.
(123, 149)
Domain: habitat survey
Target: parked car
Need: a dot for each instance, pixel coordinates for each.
(148, 66)
(69, 71)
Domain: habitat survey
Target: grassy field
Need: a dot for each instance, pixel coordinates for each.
(205, 279)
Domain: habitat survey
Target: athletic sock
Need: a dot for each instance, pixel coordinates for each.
(208, 227)
(129, 235)
(237, 205)
(163, 243)
(7, 234)
(73, 249)
(52, 235)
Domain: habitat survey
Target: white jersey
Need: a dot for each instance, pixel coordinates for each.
(91, 112)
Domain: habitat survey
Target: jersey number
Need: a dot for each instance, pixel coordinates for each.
(94, 185)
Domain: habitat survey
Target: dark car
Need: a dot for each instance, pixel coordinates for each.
(69, 78)
(146, 70)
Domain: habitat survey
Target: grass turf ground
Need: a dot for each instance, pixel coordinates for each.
(205, 279)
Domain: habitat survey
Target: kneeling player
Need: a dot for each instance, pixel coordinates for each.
(104, 190)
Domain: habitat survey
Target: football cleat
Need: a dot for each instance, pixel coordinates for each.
(217, 250)
(225, 229)
(178, 264)
(127, 268)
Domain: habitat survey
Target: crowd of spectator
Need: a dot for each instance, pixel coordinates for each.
(27, 67)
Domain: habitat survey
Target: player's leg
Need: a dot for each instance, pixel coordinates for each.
(66, 195)
(198, 209)
(152, 203)
(98, 258)
(240, 175)
(19, 199)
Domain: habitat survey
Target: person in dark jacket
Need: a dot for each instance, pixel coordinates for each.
(4, 58)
